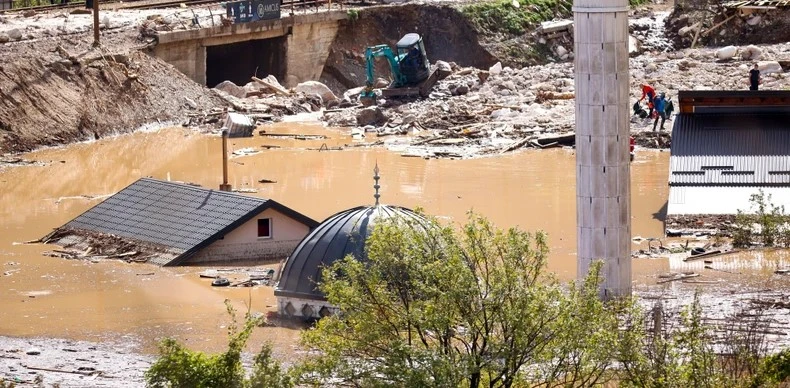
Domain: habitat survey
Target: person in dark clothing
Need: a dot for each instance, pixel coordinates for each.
(659, 104)
(754, 77)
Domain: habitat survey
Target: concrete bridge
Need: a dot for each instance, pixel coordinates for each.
(292, 48)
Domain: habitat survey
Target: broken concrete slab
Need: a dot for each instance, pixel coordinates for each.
(555, 26)
(238, 125)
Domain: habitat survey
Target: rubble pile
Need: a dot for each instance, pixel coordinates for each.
(677, 225)
(472, 112)
(475, 111)
(265, 100)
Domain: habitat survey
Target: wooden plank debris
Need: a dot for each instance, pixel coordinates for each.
(678, 277)
(709, 254)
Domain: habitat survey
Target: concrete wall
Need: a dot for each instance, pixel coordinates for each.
(310, 37)
(243, 243)
(308, 48)
(188, 56)
(603, 176)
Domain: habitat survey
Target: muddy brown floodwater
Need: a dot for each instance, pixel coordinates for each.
(112, 300)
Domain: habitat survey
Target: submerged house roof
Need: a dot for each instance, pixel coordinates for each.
(179, 218)
(727, 146)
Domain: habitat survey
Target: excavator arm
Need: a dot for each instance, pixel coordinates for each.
(382, 50)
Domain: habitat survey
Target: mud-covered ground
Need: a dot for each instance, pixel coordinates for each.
(55, 88)
(68, 363)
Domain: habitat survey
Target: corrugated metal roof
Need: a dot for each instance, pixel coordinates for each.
(342, 234)
(730, 150)
(175, 216)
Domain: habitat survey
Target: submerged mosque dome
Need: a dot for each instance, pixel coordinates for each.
(338, 236)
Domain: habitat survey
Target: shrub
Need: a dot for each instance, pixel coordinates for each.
(178, 366)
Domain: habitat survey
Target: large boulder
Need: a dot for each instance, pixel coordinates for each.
(726, 52)
(751, 53)
(371, 115)
(444, 69)
(230, 88)
(15, 34)
(496, 69)
(767, 67)
(4, 37)
(316, 88)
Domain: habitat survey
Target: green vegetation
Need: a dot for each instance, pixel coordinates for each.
(436, 307)
(770, 220)
(501, 16)
(178, 366)
(440, 307)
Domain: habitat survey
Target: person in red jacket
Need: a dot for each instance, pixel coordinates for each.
(650, 93)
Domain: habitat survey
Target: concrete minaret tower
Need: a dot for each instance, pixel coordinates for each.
(603, 175)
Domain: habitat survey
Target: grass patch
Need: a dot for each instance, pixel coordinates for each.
(500, 16)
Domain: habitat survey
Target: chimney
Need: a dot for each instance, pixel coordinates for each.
(225, 186)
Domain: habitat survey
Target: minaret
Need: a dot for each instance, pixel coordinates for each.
(376, 186)
(603, 175)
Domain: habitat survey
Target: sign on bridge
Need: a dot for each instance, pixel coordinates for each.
(245, 11)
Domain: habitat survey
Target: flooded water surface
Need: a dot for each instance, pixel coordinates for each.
(46, 296)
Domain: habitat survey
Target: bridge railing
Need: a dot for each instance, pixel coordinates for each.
(245, 11)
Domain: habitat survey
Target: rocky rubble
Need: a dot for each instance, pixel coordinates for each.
(473, 112)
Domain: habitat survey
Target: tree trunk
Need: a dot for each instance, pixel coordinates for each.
(474, 380)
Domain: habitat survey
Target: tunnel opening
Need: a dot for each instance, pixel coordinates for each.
(237, 62)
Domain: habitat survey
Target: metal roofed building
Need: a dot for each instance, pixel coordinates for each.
(183, 224)
(726, 146)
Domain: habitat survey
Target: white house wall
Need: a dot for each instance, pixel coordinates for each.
(690, 200)
(243, 244)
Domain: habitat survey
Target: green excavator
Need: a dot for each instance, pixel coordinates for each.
(412, 73)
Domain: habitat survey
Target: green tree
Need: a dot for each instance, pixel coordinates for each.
(769, 217)
(433, 306)
(178, 366)
(686, 356)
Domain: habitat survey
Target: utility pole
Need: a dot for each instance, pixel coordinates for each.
(95, 23)
(603, 172)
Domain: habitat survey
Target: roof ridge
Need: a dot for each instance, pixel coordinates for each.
(203, 189)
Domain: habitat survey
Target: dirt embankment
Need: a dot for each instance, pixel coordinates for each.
(720, 26)
(447, 35)
(60, 90)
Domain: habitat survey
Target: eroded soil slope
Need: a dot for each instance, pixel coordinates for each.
(59, 90)
(447, 35)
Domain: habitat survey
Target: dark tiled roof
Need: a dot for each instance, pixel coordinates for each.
(176, 216)
(342, 234)
(730, 150)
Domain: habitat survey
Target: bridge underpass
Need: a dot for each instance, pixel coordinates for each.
(293, 49)
(237, 62)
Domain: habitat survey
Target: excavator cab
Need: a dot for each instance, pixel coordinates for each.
(412, 60)
(412, 74)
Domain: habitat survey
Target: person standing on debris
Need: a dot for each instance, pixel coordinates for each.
(650, 93)
(659, 104)
(754, 77)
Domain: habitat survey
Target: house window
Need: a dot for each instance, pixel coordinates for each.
(264, 228)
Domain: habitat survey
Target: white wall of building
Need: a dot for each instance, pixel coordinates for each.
(243, 242)
(689, 200)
